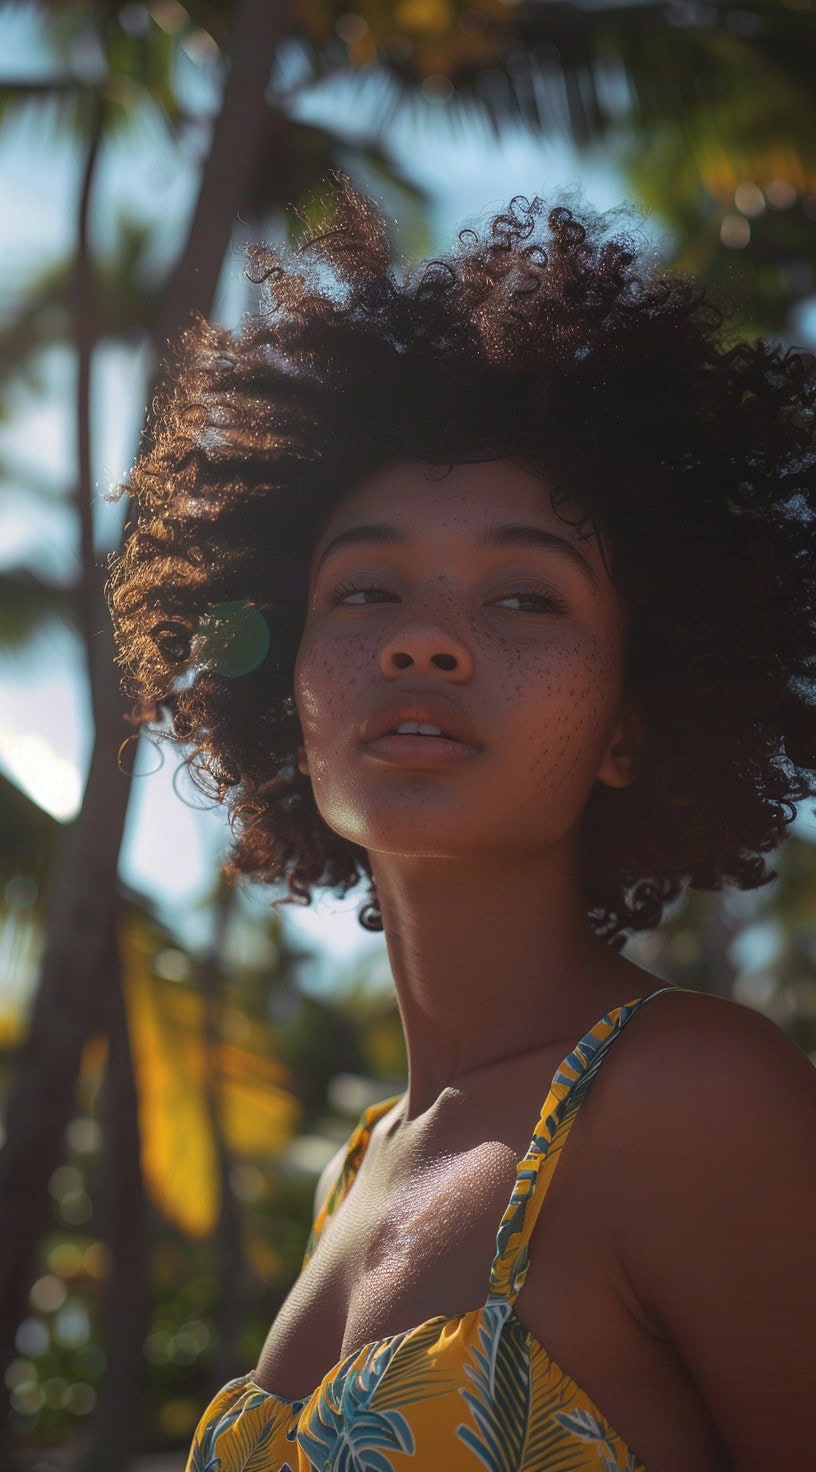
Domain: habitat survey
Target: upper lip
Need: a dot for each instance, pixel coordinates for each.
(427, 710)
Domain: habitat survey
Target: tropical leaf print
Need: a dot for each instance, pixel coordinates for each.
(588, 1425)
(343, 1432)
(500, 1398)
(413, 1374)
(200, 1459)
(510, 1263)
(203, 1456)
(239, 1439)
(515, 1408)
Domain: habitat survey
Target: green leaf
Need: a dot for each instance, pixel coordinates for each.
(29, 603)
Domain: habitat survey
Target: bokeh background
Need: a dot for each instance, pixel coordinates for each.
(178, 1060)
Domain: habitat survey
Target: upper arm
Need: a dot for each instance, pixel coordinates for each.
(721, 1246)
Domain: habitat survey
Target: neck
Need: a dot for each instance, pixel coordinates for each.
(491, 959)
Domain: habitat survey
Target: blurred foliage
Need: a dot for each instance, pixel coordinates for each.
(293, 1071)
(29, 839)
(167, 1029)
(708, 108)
(757, 947)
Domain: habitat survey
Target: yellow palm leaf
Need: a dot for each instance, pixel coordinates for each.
(172, 1061)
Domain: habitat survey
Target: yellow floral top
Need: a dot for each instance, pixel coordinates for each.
(464, 1393)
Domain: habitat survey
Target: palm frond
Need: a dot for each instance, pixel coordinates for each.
(28, 604)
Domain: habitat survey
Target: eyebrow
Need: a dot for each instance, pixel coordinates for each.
(508, 534)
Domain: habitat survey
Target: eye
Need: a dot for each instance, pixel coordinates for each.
(543, 602)
(344, 592)
(356, 595)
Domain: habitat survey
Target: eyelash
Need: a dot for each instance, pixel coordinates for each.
(551, 601)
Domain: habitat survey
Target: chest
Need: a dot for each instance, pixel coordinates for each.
(415, 1238)
(405, 1246)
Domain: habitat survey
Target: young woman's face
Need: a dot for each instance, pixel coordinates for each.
(473, 595)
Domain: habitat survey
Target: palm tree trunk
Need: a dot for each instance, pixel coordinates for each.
(235, 156)
(73, 1000)
(118, 1421)
(70, 1005)
(233, 1281)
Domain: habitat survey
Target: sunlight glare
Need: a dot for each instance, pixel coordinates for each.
(51, 780)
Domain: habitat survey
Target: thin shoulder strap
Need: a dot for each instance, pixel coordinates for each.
(355, 1150)
(570, 1085)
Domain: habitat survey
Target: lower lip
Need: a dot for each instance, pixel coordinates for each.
(419, 751)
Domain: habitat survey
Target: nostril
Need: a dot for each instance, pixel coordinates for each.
(402, 661)
(445, 661)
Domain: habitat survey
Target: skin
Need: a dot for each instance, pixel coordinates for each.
(475, 862)
(672, 1272)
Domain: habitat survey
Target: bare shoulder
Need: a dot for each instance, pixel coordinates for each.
(694, 1050)
(708, 1089)
(715, 1117)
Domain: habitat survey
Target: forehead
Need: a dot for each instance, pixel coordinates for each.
(412, 494)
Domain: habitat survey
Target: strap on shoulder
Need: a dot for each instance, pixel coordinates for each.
(570, 1086)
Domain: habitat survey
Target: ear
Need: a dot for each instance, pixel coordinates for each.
(302, 761)
(619, 766)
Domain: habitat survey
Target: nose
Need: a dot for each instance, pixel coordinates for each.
(425, 647)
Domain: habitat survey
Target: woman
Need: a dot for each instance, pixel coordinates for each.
(495, 585)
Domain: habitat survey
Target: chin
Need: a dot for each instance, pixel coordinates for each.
(404, 828)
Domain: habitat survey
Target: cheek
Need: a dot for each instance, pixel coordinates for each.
(570, 694)
(327, 673)
(327, 680)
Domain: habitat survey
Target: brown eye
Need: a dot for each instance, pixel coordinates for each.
(543, 602)
(344, 592)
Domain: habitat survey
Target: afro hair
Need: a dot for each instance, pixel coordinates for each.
(551, 336)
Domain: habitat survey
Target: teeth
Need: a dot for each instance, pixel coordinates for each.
(413, 728)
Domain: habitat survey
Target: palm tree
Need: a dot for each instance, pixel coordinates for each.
(80, 989)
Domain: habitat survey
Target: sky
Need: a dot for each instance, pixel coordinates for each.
(172, 845)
